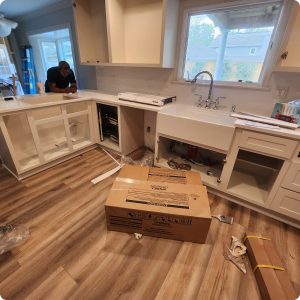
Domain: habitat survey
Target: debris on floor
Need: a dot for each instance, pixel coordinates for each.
(146, 160)
(235, 253)
(176, 165)
(108, 173)
(138, 236)
(12, 236)
(224, 219)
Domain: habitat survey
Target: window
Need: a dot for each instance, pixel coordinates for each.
(6, 68)
(231, 42)
(49, 48)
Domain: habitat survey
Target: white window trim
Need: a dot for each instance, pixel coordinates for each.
(276, 42)
(54, 28)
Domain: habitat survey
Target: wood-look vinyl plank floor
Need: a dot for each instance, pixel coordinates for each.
(71, 255)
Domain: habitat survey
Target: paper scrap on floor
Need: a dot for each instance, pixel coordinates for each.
(108, 173)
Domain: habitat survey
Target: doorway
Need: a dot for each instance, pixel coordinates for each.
(49, 48)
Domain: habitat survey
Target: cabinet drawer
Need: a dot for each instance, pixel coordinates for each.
(271, 145)
(287, 202)
(292, 178)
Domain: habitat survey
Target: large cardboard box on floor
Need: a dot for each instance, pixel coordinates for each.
(161, 209)
(160, 174)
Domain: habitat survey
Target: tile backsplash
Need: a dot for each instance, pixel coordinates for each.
(161, 81)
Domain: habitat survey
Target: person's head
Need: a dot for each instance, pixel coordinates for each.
(64, 68)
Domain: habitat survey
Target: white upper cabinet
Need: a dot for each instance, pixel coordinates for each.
(90, 20)
(127, 32)
(290, 59)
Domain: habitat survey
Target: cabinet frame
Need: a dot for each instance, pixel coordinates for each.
(10, 160)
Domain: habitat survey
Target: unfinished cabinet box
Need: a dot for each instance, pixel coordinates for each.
(142, 31)
(120, 127)
(207, 162)
(256, 165)
(90, 20)
(127, 32)
(35, 138)
(253, 176)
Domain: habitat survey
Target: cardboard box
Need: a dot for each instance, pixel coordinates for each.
(160, 209)
(160, 175)
(273, 284)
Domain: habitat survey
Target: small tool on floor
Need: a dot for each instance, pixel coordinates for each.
(224, 219)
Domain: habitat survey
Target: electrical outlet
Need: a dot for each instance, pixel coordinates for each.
(282, 92)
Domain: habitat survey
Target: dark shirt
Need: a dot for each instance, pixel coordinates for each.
(54, 76)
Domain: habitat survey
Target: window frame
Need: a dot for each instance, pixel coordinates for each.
(275, 46)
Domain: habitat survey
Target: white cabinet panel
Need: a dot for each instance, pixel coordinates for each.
(263, 143)
(287, 202)
(292, 178)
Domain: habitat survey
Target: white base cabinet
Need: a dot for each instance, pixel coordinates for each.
(250, 173)
(36, 137)
(287, 202)
(121, 128)
(287, 199)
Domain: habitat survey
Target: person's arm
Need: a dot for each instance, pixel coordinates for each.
(54, 89)
(73, 84)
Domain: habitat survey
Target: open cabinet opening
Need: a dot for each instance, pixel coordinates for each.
(109, 126)
(209, 163)
(253, 175)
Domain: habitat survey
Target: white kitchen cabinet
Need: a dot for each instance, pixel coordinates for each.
(33, 138)
(288, 203)
(90, 22)
(127, 32)
(255, 166)
(289, 60)
(287, 199)
(121, 128)
(18, 149)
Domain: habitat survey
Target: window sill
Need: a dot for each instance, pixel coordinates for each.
(230, 85)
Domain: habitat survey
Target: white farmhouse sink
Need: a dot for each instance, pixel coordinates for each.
(205, 127)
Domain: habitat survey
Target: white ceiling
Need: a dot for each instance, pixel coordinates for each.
(17, 8)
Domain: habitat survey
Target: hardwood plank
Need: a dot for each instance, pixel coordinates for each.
(57, 286)
(71, 255)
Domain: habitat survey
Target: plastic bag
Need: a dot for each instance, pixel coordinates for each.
(146, 160)
(12, 236)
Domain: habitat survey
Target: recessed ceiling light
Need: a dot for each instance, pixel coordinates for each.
(1, 1)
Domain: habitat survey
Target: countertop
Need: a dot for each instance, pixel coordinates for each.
(51, 99)
(21, 103)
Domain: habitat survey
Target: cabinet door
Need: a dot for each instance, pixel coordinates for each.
(292, 178)
(287, 202)
(292, 47)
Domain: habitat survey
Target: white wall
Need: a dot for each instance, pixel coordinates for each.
(161, 81)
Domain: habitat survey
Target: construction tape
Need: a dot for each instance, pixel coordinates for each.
(256, 237)
(268, 267)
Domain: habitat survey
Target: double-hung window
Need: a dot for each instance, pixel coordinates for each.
(233, 41)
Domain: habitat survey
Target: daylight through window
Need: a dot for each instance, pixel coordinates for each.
(231, 43)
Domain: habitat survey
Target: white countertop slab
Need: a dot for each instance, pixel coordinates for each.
(174, 109)
(279, 131)
(20, 103)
